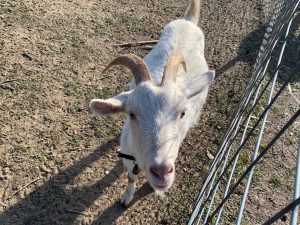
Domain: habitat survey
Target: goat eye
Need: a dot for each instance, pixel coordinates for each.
(132, 116)
(182, 115)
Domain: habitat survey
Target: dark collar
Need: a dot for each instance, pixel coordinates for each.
(136, 168)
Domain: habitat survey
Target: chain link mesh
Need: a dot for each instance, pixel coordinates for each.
(218, 199)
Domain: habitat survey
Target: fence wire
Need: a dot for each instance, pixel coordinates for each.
(248, 126)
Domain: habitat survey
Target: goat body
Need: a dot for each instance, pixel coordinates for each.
(163, 103)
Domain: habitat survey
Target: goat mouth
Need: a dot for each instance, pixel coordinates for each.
(161, 187)
(161, 184)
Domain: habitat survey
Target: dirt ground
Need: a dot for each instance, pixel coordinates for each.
(58, 162)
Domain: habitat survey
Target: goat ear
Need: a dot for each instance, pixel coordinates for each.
(198, 84)
(102, 107)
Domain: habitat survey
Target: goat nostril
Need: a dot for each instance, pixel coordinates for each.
(154, 171)
(170, 170)
(161, 171)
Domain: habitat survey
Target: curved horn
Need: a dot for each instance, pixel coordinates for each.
(137, 66)
(171, 67)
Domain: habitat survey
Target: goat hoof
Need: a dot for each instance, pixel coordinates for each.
(126, 199)
(125, 203)
(125, 206)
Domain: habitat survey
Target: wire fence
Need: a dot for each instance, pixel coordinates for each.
(247, 133)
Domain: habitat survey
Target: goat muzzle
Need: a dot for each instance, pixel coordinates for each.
(136, 65)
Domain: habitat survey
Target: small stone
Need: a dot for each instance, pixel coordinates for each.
(160, 194)
(55, 170)
(88, 170)
(8, 177)
(21, 194)
(45, 169)
(284, 218)
(106, 172)
(6, 170)
(209, 155)
(48, 176)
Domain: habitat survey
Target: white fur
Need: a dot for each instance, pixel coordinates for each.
(155, 135)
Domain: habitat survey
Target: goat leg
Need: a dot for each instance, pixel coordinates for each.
(130, 189)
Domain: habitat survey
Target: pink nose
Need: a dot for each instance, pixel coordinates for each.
(160, 171)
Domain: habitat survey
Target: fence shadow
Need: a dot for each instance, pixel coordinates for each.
(110, 215)
(290, 61)
(47, 204)
(249, 48)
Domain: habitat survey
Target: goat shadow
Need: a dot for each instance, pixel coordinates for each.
(48, 203)
(250, 45)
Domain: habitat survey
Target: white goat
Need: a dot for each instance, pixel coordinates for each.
(160, 110)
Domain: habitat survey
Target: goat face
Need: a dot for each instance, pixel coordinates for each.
(155, 118)
(157, 122)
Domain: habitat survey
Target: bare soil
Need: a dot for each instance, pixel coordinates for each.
(51, 57)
